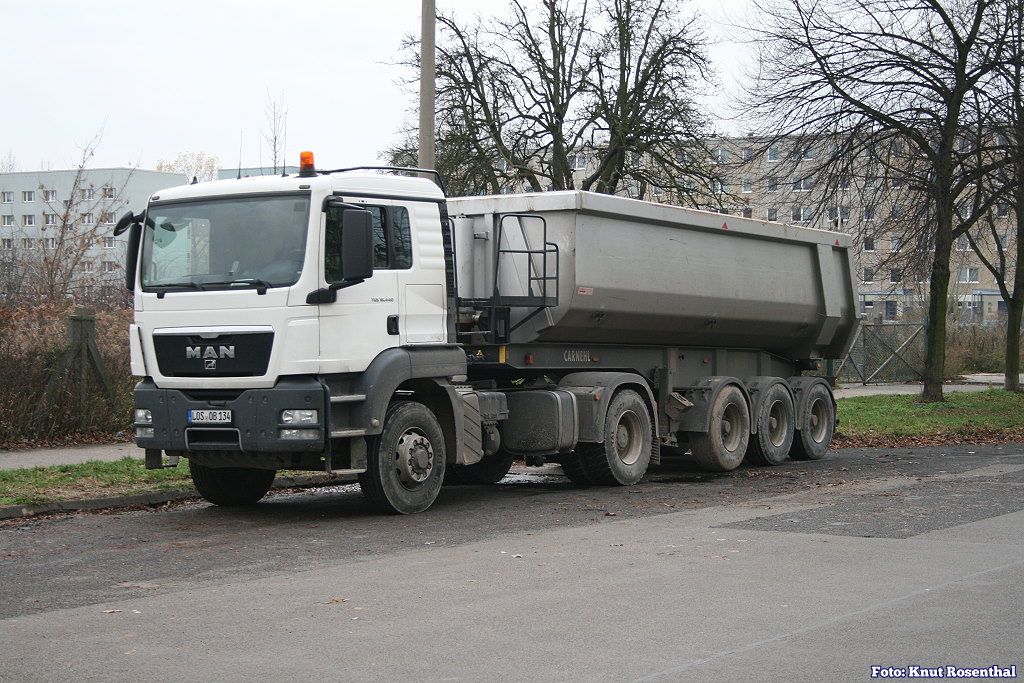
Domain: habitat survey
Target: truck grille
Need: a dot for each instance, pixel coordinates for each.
(235, 355)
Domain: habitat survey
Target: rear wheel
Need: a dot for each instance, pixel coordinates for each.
(405, 465)
(490, 470)
(775, 421)
(228, 486)
(819, 420)
(623, 457)
(575, 469)
(723, 446)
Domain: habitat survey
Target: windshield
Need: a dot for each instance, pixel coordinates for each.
(225, 243)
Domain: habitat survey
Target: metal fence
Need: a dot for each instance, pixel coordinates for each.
(885, 353)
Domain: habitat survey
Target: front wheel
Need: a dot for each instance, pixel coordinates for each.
(229, 486)
(819, 423)
(405, 466)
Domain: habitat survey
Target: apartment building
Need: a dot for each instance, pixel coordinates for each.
(57, 226)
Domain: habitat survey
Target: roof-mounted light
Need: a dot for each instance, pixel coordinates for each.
(306, 168)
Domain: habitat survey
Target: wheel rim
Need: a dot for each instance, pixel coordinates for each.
(414, 458)
(629, 438)
(817, 420)
(778, 423)
(730, 427)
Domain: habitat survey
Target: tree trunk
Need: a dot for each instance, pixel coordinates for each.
(1014, 311)
(935, 330)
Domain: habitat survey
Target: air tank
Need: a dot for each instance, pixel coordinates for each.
(579, 267)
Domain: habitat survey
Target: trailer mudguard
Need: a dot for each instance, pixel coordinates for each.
(756, 389)
(800, 387)
(703, 395)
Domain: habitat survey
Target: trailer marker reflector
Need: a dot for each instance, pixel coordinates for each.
(725, 226)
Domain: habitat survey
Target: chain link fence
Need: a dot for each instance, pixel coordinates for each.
(884, 353)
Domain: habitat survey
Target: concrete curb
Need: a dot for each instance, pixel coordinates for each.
(152, 499)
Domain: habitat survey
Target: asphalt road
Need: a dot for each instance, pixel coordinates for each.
(810, 571)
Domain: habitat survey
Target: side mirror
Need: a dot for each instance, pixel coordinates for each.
(125, 221)
(356, 245)
(132, 255)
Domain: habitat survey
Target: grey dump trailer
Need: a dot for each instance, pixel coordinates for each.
(366, 325)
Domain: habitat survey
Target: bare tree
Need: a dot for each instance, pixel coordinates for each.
(563, 94)
(889, 75)
(277, 130)
(195, 165)
(8, 163)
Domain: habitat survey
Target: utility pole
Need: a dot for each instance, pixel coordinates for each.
(427, 85)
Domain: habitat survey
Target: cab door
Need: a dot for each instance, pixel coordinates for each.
(363, 321)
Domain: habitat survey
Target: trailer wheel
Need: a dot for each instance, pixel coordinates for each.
(406, 462)
(776, 421)
(623, 457)
(230, 486)
(723, 446)
(819, 420)
(490, 470)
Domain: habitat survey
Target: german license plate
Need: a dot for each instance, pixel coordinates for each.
(209, 417)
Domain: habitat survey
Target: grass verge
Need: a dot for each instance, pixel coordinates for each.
(125, 477)
(902, 420)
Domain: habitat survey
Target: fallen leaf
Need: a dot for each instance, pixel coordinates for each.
(335, 601)
(112, 611)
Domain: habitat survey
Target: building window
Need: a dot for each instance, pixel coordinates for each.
(895, 244)
(869, 275)
(87, 193)
(962, 243)
(720, 155)
(748, 213)
(719, 186)
(896, 212)
(8, 221)
(801, 214)
(109, 266)
(748, 154)
(87, 218)
(896, 183)
(748, 185)
(869, 244)
(890, 310)
(772, 184)
(773, 214)
(838, 213)
(844, 182)
(773, 153)
(28, 220)
(108, 242)
(895, 275)
(802, 184)
(27, 243)
(869, 212)
(577, 162)
(107, 217)
(1002, 210)
(108, 192)
(969, 275)
(49, 242)
(871, 182)
(7, 243)
(28, 196)
(88, 267)
(50, 195)
(49, 219)
(7, 197)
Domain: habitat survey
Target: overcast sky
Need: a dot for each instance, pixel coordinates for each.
(189, 75)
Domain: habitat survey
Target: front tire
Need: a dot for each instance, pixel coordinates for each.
(407, 461)
(623, 458)
(230, 486)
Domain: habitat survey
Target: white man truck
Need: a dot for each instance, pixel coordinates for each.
(361, 323)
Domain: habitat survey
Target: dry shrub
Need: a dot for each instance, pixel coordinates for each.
(973, 348)
(32, 343)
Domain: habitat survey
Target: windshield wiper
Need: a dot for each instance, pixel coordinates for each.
(162, 289)
(261, 285)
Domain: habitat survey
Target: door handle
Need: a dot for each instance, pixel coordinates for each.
(392, 324)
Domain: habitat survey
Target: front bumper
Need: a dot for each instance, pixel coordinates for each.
(255, 425)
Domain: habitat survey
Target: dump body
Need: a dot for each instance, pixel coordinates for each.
(632, 272)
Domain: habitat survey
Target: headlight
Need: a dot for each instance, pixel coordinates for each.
(143, 416)
(300, 417)
(299, 434)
